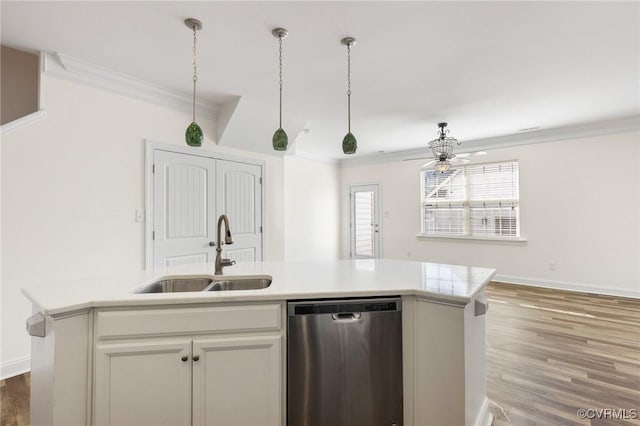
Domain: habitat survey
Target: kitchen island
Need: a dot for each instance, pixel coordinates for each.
(110, 355)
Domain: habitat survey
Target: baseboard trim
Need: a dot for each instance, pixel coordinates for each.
(569, 286)
(484, 418)
(15, 367)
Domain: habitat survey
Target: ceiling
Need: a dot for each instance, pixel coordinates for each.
(488, 68)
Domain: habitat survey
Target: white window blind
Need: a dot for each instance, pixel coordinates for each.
(477, 200)
(364, 223)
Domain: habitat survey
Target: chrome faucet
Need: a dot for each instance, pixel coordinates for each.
(220, 262)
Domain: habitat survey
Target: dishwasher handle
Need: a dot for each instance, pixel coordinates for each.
(346, 317)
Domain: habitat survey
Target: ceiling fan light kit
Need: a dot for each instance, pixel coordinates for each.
(442, 148)
(280, 139)
(194, 134)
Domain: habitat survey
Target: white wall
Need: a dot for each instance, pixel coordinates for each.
(311, 208)
(71, 184)
(589, 225)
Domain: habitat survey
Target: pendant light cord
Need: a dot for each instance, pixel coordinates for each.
(195, 72)
(280, 62)
(349, 86)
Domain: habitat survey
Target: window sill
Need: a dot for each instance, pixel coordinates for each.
(472, 238)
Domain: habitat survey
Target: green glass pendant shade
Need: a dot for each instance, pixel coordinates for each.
(349, 144)
(280, 140)
(194, 135)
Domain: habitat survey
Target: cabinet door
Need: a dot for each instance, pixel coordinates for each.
(143, 383)
(237, 381)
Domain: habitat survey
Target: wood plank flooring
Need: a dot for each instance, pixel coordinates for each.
(549, 353)
(14, 400)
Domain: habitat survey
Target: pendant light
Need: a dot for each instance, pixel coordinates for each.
(194, 134)
(349, 143)
(442, 148)
(280, 139)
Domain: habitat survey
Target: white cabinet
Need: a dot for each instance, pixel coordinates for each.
(227, 376)
(237, 381)
(444, 366)
(143, 383)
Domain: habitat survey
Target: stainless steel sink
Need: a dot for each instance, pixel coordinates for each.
(175, 285)
(240, 284)
(214, 283)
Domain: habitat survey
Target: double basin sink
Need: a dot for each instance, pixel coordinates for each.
(219, 283)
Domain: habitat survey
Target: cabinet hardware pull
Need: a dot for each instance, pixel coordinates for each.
(184, 358)
(196, 357)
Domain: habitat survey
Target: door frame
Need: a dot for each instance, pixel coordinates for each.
(378, 212)
(150, 148)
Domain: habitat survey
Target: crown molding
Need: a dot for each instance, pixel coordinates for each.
(22, 121)
(598, 128)
(74, 69)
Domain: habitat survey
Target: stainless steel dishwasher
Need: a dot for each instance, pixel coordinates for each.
(344, 362)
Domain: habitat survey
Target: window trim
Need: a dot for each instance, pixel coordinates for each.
(466, 203)
(519, 239)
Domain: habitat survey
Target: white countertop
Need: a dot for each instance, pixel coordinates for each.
(291, 280)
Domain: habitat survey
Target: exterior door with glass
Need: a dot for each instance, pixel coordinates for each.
(365, 224)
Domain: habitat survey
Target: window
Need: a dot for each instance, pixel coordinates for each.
(480, 200)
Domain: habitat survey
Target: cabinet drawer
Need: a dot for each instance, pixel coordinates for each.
(160, 322)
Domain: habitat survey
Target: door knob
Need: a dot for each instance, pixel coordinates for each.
(212, 244)
(196, 357)
(184, 358)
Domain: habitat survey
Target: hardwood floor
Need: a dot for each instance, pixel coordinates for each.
(14, 400)
(549, 354)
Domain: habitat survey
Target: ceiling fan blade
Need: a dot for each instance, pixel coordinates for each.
(471, 154)
(460, 156)
(415, 158)
(429, 163)
(460, 160)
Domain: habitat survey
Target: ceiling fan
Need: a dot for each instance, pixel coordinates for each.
(442, 149)
(461, 158)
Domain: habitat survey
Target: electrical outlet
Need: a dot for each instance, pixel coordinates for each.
(552, 266)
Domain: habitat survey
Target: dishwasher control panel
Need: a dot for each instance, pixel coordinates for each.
(344, 306)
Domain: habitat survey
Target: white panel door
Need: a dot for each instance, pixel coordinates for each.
(183, 209)
(365, 221)
(237, 381)
(143, 383)
(239, 196)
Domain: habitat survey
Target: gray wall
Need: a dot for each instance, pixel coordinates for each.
(19, 84)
